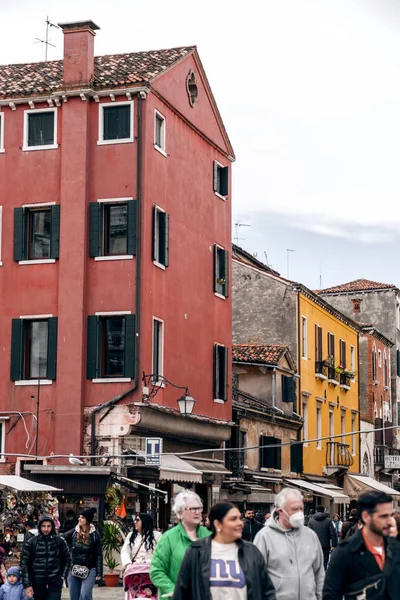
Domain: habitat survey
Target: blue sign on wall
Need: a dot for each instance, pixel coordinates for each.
(153, 451)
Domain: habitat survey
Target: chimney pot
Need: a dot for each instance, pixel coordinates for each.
(78, 63)
(356, 305)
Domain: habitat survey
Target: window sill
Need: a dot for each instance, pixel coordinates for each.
(114, 257)
(219, 296)
(33, 148)
(34, 382)
(320, 376)
(160, 150)
(345, 387)
(112, 380)
(220, 196)
(159, 265)
(333, 382)
(219, 401)
(38, 261)
(110, 142)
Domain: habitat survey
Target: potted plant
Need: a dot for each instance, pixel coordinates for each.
(112, 541)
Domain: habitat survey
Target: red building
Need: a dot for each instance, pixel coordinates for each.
(115, 194)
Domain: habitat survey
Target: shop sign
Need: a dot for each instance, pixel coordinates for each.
(153, 451)
(392, 461)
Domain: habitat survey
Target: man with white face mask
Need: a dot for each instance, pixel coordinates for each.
(292, 551)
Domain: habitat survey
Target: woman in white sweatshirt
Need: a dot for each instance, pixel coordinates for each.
(136, 555)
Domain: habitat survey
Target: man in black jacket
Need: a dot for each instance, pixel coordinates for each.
(251, 526)
(325, 530)
(45, 561)
(367, 565)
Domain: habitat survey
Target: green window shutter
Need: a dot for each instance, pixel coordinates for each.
(55, 232)
(226, 273)
(130, 345)
(52, 348)
(132, 227)
(93, 342)
(216, 275)
(215, 176)
(166, 239)
(95, 229)
(296, 457)
(16, 350)
(288, 389)
(155, 240)
(223, 184)
(19, 233)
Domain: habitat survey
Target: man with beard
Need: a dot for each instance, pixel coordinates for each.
(366, 565)
(251, 526)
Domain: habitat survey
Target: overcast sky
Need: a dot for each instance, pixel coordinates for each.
(309, 91)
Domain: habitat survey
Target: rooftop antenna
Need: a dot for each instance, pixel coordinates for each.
(266, 259)
(237, 225)
(46, 40)
(320, 277)
(288, 251)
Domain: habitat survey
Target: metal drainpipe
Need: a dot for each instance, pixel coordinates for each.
(116, 399)
(273, 387)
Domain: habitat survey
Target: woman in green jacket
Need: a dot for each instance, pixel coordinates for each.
(171, 547)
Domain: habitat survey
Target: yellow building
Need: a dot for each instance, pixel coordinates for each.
(329, 391)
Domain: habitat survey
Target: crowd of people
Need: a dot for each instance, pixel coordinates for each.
(223, 556)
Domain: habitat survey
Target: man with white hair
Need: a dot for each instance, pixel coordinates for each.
(292, 552)
(172, 545)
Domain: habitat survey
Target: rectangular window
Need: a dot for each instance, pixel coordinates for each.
(40, 129)
(1, 132)
(342, 356)
(158, 349)
(379, 359)
(111, 346)
(304, 337)
(220, 391)
(33, 349)
(159, 131)
(112, 228)
(288, 389)
(37, 232)
(353, 437)
(270, 457)
(221, 271)
(160, 237)
(296, 457)
(115, 122)
(220, 179)
(305, 425)
(318, 343)
(373, 358)
(331, 348)
(319, 426)
(352, 359)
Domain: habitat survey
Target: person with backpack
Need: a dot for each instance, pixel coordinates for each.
(45, 562)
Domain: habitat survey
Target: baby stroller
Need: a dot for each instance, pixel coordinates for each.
(137, 582)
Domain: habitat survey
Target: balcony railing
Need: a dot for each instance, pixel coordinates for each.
(332, 375)
(234, 461)
(338, 455)
(321, 368)
(344, 380)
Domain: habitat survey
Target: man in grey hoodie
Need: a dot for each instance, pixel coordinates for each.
(292, 551)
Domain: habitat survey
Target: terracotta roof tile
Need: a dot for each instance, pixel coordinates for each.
(359, 285)
(110, 72)
(258, 353)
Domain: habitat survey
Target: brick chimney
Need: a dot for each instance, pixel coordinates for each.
(78, 53)
(356, 308)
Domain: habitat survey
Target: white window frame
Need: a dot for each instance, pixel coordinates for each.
(221, 166)
(34, 382)
(353, 359)
(304, 338)
(156, 235)
(36, 261)
(25, 146)
(158, 115)
(160, 350)
(319, 424)
(113, 256)
(2, 132)
(102, 106)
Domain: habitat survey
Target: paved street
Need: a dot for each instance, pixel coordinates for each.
(103, 593)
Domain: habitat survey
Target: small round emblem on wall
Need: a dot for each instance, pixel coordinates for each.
(191, 88)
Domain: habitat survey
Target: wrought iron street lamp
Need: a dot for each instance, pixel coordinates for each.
(153, 383)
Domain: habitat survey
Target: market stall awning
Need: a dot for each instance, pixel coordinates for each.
(205, 465)
(173, 468)
(25, 485)
(355, 485)
(336, 494)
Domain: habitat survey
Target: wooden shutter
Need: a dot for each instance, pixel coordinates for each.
(130, 345)
(288, 389)
(343, 354)
(16, 350)
(19, 234)
(166, 239)
(93, 343)
(215, 176)
(331, 346)
(216, 274)
(110, 123)
(52, 348)
(132, 227)
(95, 229)
(223, 180)
(55, 232)
(215, 373)
(296, 457)
(225, 365)
(318, 343)
(155, 236)
(226, 273)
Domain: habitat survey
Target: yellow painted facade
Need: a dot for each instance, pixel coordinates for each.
(329, 403)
